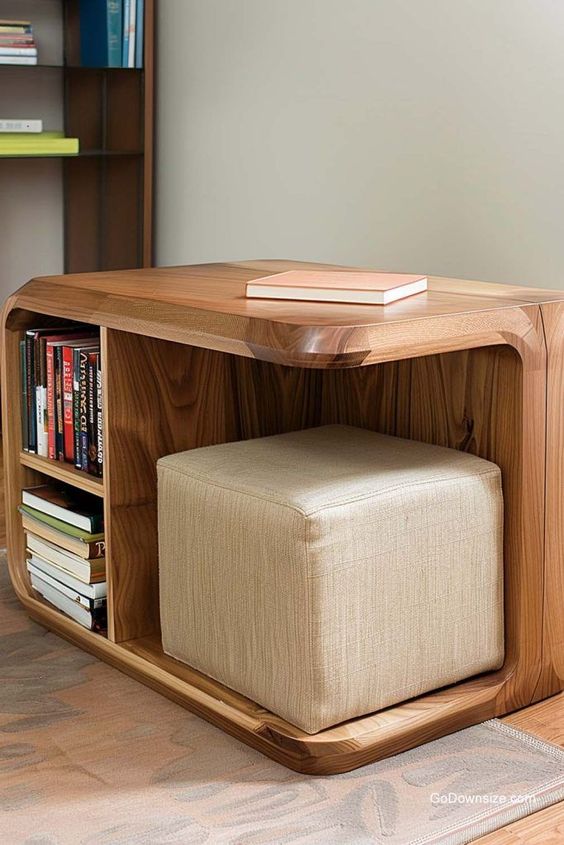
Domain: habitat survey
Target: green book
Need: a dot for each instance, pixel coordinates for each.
(59, 525)
(37, 143)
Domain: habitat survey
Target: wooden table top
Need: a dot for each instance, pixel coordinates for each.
(205, 305)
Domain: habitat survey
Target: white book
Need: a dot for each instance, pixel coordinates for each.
(74, 595)
(132, 34)
(18, 51)
(89, 591)
(55, 597)
(347, 286)
(18, 60)
(41, 420)
(14, 124)
(70, 563)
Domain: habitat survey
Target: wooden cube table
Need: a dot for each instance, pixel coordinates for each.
(188, 362)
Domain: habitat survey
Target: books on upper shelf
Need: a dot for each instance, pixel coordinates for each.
(62, 395)
(17, 44)
(111, 33)
(337, 286)
(37, 144)
(79, 509)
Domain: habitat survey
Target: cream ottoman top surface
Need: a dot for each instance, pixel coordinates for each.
(317, 468)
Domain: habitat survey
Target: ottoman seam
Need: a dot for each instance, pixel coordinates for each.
(309, 617)
(373, 495)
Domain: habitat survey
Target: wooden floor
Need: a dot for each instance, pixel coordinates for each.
(545, 720)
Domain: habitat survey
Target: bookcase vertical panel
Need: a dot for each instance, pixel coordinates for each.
(122, 215)
(83, 206)
(160, 397)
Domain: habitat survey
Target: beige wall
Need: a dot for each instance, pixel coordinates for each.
(31, 197)
(423, 135)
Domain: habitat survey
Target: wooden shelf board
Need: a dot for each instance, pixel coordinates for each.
(82, 154)
(63, 472)
(53, 65)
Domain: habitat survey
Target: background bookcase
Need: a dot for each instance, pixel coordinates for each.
(104, 194)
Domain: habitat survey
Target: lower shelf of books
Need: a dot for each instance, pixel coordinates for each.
(65, 551)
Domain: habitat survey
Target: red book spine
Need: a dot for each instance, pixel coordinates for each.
(68, 425)
(52, 449)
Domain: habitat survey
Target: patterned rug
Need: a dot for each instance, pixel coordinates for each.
(90, 757)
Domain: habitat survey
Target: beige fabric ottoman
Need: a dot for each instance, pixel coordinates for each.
(331, 572)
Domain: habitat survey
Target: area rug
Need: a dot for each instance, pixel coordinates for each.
(90, 757)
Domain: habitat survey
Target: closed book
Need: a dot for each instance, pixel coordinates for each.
(12, 124)
(59, 421)
(36, 339)
(83, 407)
(34, 568)
(101, 27)
(99, 421)
(84, 544)
(14, 26)
(30, 393)
(337, 286)
(95, 620)
(91, 592)
(37, 143)
(125, 34)
(51, 403)
(68, 422)
(89, 571)
(18, 60)
(139, 35)
(82, 510)
(17, 51)
(23, 374)
(70, 337)
(92, 412)
(132, 33)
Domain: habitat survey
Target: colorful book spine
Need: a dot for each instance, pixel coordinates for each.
(51, 403)
(76, 406)
(83, 405)
(23, 370)
(30, 398)
(101, 26)
(126, 31)
(41, 395)
(68, 411)
(99, 421)
(59, 416)
(93, 358)
(140, 33)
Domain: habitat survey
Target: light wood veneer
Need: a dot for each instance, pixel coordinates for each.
(188, 361)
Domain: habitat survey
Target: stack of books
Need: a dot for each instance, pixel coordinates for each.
(17, 44)
(66, 551)
(111, 33)
(61, 380)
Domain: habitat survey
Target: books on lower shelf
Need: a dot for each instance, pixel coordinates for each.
(74, 508)
(17, 44)
(37, 144)
(111, 33)
(57, 563)
(61, 374)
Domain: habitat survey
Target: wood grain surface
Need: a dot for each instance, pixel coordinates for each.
(204, 305)
(467, 369)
